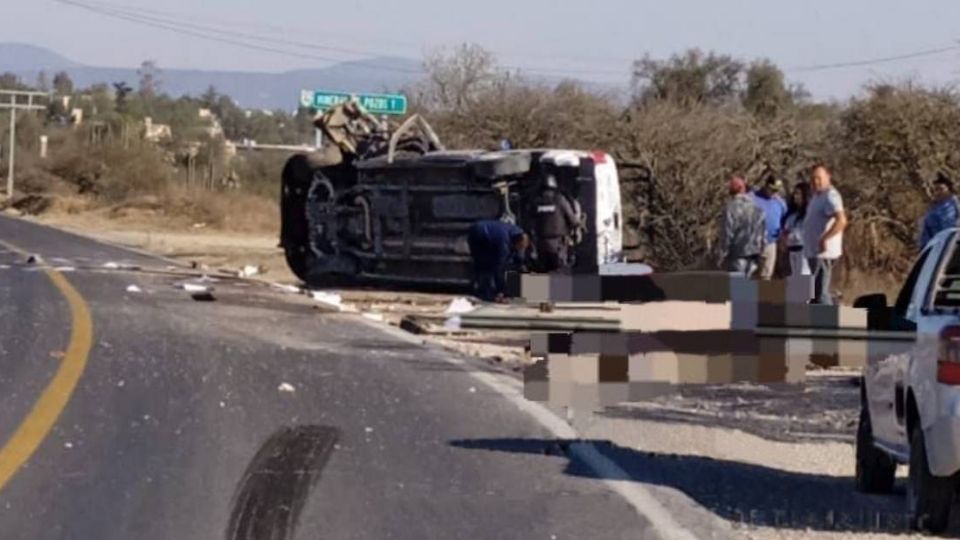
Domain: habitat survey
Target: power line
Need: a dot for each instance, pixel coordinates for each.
(242, 39)
(168, 20)
(859, 63)
(220, 23)
(226, 40)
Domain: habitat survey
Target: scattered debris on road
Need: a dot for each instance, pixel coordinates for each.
(111, 265)
(332, 300)
(459, 306)
(34, 259)
(133, 289)
(286, 387)
(194, 288)
(250, 271)
(292, 289)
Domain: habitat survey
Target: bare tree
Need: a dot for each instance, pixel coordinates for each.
(455, 78)
(62, 83)
(149, 79)
(766, 93)
(688, 79)
(43, 83)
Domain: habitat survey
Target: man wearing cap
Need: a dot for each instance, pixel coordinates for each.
(943, 212)
(742, 231)
(768, 199)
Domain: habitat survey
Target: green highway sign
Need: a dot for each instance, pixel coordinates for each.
(373, 103)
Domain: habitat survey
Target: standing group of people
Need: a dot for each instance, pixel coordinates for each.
(804, 235)
(761, 235)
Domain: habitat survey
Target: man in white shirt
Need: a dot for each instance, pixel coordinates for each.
(823, 232)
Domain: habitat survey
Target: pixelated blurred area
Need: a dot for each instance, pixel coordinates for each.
(616, 339)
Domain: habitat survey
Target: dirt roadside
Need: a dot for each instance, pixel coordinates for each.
(774, 462)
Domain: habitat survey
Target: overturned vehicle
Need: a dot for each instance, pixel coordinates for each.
(385, 204)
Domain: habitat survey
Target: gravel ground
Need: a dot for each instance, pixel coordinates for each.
(773, 462)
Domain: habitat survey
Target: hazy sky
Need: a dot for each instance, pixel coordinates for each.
(589, 39)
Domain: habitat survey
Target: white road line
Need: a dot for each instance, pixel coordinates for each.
(639, 497)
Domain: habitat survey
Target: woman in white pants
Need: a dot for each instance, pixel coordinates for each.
(792, 230)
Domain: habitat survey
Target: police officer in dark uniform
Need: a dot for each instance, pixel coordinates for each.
(555, 221)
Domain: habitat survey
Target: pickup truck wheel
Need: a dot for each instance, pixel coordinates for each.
(928, 497)
(876, 470)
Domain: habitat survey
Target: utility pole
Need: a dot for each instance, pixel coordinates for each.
(13, 101)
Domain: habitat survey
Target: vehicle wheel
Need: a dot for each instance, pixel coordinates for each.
(928, 497)
(297, 256)
(876, 470)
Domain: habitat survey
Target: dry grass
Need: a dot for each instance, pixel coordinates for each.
(233, 211)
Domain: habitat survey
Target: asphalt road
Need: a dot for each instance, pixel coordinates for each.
(182, 423)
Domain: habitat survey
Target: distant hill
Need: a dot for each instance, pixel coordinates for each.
(18, 57)
(250, 89)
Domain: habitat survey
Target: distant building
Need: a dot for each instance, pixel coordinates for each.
(213, 129)
(155, 132)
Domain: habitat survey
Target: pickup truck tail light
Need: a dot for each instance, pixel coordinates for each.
(948, 364)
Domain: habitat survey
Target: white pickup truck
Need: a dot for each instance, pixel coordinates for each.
(910, 392)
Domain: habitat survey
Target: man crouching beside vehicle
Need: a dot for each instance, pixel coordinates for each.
(495, 247)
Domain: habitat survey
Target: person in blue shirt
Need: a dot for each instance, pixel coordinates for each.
(495, 246)
(943, 212)
(768, 199)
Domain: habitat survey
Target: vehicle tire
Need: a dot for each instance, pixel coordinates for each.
(876, 470)
(928, 497)
(298, 260)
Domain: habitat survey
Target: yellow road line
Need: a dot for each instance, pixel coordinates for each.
(45, 412)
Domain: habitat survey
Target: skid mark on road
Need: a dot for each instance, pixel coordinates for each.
(37, 424)
(278, 481)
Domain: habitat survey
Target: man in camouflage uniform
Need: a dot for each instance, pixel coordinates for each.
(742, 231)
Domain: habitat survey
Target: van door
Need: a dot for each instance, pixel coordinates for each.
(609, 214)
